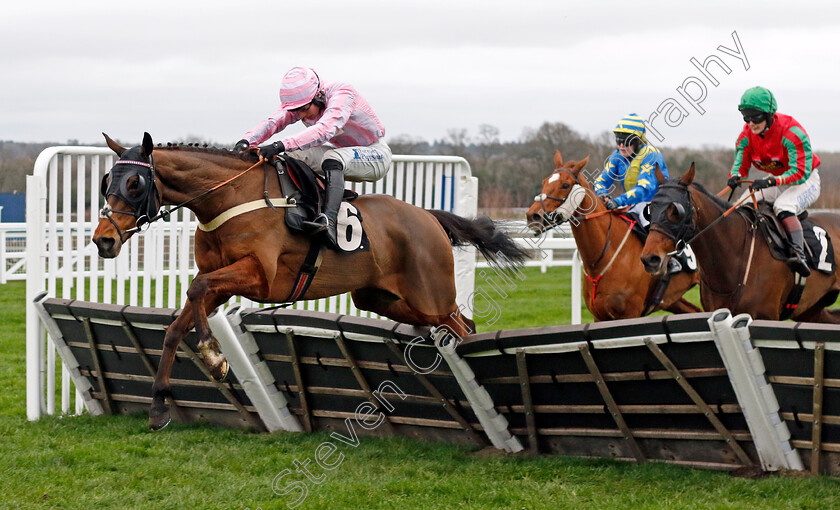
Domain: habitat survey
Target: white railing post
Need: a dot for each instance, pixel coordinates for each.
(2, 249)
(548, 257)
(577, 268)
(35, 345)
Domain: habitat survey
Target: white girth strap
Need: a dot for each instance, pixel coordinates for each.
(219, 220)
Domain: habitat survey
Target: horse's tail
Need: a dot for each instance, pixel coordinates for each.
(496, 246)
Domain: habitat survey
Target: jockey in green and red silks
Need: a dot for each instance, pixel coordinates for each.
(777, 144)
(632, 165)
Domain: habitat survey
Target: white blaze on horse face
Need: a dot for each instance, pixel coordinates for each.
(553, 178)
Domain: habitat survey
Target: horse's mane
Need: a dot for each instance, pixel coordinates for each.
(723, 204)
(219, 151)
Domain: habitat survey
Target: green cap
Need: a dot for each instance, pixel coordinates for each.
(758, 98)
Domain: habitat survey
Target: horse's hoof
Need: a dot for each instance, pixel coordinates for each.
(220, 372)
(159, 419)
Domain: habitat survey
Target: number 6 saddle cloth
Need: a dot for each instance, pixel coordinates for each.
(301, 185)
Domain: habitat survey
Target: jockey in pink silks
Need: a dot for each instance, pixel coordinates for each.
(343, 137)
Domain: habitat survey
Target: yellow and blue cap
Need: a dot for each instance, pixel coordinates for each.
(631, 124)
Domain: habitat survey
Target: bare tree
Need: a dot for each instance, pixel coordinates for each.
(407, 144)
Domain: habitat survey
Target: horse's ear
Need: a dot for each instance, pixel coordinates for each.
(558, 159)
(119, 149)
(148, 145)
(660, 177)
(688, 178)
(580, 165)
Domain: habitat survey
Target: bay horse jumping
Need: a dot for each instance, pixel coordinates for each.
(616, 286)
(737, 269)
(406, 275)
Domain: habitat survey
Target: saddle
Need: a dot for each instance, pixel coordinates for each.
(819, 250)
(305, 188)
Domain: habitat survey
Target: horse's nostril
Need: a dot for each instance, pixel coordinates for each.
(104, 244)
(651, 261)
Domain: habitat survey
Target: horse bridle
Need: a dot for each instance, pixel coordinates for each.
(679, 232)
(145, 203)
(542, 197)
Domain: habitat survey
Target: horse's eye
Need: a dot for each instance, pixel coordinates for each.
(135, 186)
(676, 213)
(565, 186)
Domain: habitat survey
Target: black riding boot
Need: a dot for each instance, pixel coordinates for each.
(797, 261)
(328, 219)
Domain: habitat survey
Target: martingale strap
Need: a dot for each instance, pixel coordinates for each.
(595, 280)
(307, 272)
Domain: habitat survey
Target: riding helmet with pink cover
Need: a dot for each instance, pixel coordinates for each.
(298, 87)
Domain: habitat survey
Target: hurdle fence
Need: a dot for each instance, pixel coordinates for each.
(706, 390)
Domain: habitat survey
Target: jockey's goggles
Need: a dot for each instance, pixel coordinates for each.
(754, 116)
(624, 138)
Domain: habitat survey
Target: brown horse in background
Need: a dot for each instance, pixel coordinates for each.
(407, 274)
(616, 286)
(737, 270)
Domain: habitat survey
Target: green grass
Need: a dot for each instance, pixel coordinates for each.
(538, 300)
(115, 462)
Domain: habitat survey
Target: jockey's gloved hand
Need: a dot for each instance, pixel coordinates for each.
(271, 151)
(762, 183)
(241, 145)
(610, 203)
(734, 182)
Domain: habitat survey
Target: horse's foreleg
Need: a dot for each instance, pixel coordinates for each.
(159, 412)
(209, 290)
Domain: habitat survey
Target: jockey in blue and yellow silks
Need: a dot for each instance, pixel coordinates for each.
(632, 165)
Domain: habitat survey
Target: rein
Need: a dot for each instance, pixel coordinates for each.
(681, 243)
(106, 210)
(167, 212)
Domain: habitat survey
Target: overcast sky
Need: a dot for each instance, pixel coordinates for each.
(71, 70)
